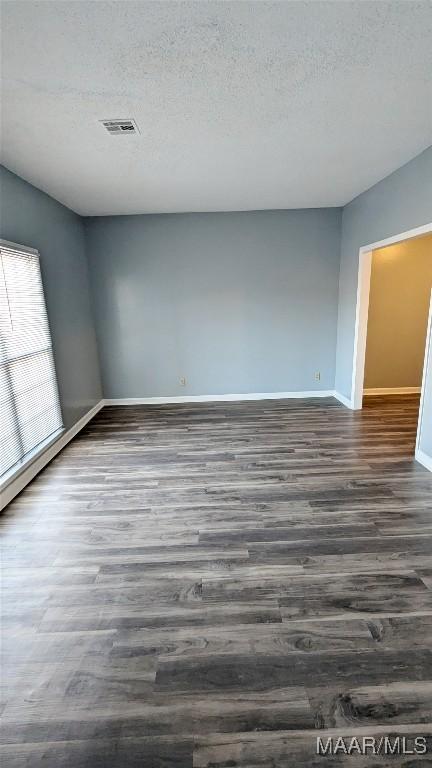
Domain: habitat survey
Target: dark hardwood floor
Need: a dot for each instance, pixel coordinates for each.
(216, 585)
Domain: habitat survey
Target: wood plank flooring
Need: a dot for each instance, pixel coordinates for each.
(214, 585)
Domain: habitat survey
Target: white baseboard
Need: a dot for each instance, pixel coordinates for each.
(423, 459)
(342, 399)
(219, 398)
(392, 391)
(18, 483)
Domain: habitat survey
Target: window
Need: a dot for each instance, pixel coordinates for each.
(29, 402)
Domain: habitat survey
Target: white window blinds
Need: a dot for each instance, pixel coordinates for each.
(29, 402)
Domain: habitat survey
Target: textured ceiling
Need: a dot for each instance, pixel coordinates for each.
(241, 105)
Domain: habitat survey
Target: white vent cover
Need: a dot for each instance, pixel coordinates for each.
(119, 127)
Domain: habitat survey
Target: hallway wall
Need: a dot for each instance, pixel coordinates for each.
(401, 281)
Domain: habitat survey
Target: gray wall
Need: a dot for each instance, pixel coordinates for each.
(235, 302)
(30, 217)
(400, 202)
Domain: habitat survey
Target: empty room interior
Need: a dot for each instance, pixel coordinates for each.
(216, 384)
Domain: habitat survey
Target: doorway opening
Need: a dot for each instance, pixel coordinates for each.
(393, 349)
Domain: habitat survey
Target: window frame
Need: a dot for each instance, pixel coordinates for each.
(22, 464)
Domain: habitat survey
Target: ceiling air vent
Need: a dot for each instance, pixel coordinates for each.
(119, 127)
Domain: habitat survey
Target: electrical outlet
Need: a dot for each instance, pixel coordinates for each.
(182, 381)
(318, 376)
